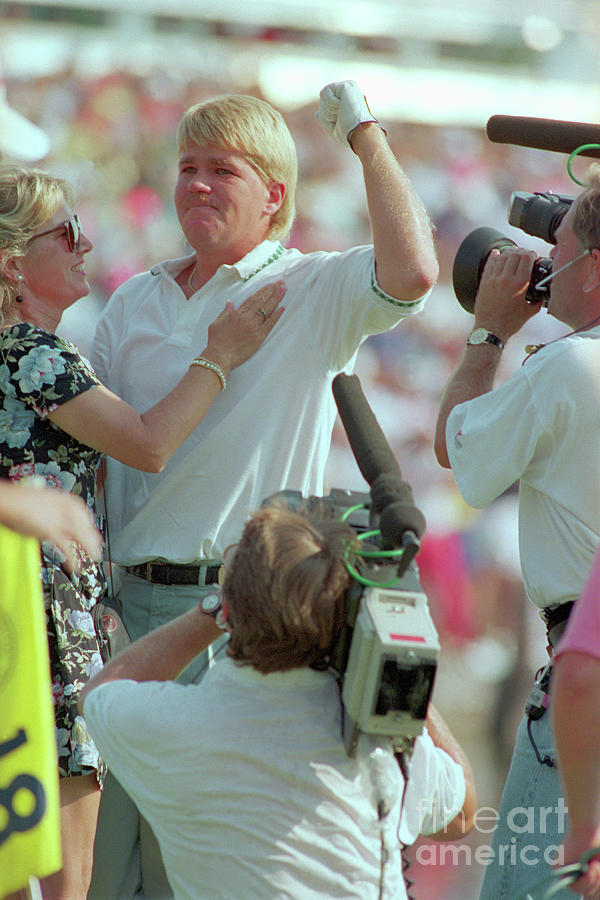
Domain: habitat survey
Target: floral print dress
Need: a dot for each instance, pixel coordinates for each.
(38, 372)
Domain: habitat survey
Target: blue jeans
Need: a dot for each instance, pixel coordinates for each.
(127, 858)
(532, 819)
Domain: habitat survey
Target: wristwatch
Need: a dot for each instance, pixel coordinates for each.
(483, 336)
(210, 604)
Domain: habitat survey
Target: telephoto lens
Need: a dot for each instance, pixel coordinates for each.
(471, 258)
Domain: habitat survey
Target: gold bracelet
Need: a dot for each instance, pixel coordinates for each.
(213, 367)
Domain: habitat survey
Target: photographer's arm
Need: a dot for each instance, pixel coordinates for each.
(443, 738)
(161, 655)
(500, 307)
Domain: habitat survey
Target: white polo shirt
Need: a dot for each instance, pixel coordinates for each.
(271, 428)
(541, 427)
(247, 786)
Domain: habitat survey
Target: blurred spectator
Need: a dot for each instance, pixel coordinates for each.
(19, 137)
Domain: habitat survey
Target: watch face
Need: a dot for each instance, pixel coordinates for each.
(478, 336)
(211, 603)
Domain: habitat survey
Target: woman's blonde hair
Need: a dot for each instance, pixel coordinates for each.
(255, 129)
(285, 590)
(28, 198)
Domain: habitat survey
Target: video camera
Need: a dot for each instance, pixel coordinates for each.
(385, 656)
(538, 214)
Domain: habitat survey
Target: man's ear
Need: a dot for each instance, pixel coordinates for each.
(275, 198)
(592, 282)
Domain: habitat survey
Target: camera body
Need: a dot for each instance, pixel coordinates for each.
(391, 667)
(385, 655)
(538, 214)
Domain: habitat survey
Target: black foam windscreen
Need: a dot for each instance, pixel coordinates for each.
(396, 520)
(369, 445)
(391, 496)
(389, 488)
(543, 134)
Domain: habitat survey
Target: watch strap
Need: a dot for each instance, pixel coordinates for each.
(483, 336)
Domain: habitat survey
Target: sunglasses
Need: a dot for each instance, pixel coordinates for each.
(72, 227)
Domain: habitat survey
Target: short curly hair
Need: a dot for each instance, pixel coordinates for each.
(285, 590)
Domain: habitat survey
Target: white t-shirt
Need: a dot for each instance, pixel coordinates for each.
(270, 429)
(543, 427)
(247, 786)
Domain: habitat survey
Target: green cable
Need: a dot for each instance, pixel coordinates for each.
(375, 554)
(372, 554)
(573, 155)
(350, 510)
(366, 581)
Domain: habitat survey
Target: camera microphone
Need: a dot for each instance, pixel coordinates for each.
(392, 498)
(369, 445)
(544, 134)
(401, 523)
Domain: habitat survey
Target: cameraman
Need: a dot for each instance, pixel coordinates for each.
(245, 779)
(542, 427)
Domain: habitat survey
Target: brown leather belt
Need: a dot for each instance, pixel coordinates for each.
(170, 573)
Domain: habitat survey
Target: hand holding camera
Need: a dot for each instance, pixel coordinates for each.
(537, 214)
(506, 277)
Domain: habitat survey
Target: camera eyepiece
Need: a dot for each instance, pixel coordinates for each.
(471, 258)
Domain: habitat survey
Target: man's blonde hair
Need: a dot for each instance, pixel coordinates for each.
(285, 590)
(28, 199)
(255, 129)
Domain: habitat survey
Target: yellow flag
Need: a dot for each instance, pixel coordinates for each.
(29, 804)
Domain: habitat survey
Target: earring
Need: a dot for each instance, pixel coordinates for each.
(19, 298)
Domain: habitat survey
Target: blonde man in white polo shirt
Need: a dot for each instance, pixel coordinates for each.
(271, 427)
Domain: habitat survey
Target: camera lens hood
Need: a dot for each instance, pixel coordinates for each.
(470, 260)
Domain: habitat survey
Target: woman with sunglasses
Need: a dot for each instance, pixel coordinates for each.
(57, 421)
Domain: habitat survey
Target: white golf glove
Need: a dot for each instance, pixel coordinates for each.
(342, 108)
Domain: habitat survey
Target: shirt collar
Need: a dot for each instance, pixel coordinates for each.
(292, 679)
(257, 259)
